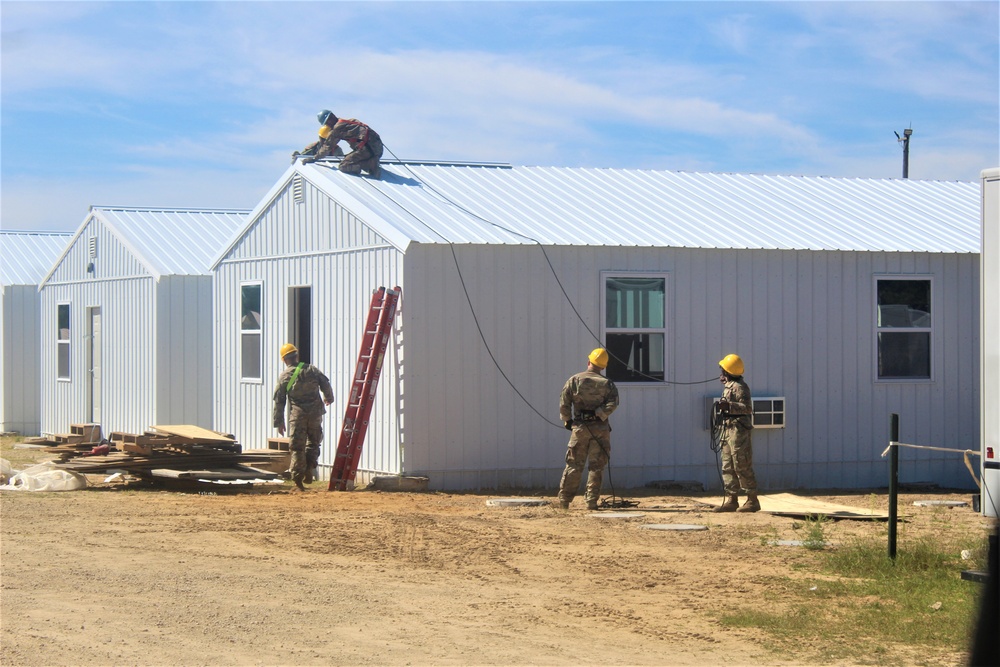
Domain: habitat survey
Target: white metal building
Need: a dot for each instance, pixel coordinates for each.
(849, 299)
(127, 319)
(25, 257)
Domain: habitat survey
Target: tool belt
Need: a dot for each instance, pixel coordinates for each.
(587, 416)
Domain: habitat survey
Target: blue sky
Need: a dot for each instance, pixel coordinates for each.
(200, 104)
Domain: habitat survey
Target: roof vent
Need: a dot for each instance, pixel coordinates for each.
(93, 247)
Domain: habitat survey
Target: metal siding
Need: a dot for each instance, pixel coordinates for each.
(129, 339)
(804, 322)
(184, 355)
(313, 243)
(20, 359)
(155, 365)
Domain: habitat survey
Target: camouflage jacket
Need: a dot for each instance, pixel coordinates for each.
(590, 392)
(306, 395)
(354, 132)
(740, 403)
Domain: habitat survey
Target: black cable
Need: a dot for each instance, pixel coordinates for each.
(548, 261)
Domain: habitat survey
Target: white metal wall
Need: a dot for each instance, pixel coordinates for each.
(20, 363)
(316, 243)
(802, 320)
(153, 370)
(184, 368)
(990, 459)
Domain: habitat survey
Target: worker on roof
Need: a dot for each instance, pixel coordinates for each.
(366, 145)
(734, 422)
(585, 403)
(307, 391)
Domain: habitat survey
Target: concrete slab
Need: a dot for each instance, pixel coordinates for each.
(940, 503)
(673, 526)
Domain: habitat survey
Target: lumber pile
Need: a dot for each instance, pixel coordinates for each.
(174, 452)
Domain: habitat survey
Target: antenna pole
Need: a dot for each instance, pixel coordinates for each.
(906, 151)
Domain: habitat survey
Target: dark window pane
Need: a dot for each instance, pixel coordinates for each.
(62, 313)
(904, 303)
(250, 316)
(904, 355)
(635, 357)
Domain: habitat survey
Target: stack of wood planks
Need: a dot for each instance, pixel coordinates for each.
(164, 452)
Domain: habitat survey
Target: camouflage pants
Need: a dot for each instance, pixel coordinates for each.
(589, 445)
(737, 460)
(305, 434)
(366, 158)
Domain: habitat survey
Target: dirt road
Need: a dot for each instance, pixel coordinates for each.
(110, 576)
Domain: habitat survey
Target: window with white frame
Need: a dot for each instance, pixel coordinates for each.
(250, 332)
(903, 328)
(635, 307)
(62, 341)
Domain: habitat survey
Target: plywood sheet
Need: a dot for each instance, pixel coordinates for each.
(789, 504)
(193, 432)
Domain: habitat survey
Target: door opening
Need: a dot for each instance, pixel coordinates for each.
(300, 321)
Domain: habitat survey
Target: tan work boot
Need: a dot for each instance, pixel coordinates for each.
(751, 505)
(564, 504)
(730, 504)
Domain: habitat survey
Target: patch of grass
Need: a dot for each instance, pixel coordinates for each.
(815, 538)
(867, 606)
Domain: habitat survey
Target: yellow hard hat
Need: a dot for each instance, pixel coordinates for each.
(325, 131)
(287, 349)
(732, 364)
(599, 357)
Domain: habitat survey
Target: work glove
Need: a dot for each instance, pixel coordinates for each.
(724, 405)
(295, 156)
(568, 425)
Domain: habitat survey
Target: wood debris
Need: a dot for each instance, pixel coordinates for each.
(183, 452)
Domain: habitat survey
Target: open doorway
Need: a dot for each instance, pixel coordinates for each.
(300, 321)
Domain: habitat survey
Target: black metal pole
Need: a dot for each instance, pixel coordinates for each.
(906, 152)
(893, 481)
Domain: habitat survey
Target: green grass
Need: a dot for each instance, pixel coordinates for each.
(866, 606)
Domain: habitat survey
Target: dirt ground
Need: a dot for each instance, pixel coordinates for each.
(117, 576)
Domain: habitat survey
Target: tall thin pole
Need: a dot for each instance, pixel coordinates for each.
(906, 151)
(893, 481)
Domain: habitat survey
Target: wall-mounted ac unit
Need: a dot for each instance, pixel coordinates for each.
(768, 411)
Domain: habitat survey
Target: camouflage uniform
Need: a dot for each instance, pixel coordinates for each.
(366, 147)
(587, 400)
(305, 418)
(734, 438)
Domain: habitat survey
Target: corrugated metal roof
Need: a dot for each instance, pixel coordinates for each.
(173, 241)
(468, 203)
(25, 257)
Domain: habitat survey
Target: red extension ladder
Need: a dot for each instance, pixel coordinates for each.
(373, 345)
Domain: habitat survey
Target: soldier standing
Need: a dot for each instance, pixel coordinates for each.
(586, 402)
(366, 144)
(301, 384)
(736, 424)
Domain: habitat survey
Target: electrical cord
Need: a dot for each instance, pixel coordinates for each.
(613, 503)
(548, 261)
